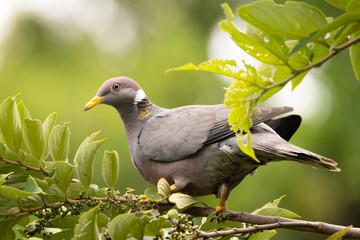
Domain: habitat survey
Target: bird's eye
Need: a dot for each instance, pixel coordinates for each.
(116, 87)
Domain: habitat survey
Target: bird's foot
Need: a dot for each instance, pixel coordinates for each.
(220, 208)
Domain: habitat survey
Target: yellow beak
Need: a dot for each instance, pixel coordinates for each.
(93, 102)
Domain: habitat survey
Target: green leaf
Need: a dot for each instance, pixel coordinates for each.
(183, 201)
(272, 209)
(34, 137)
(2, 149)
(339, 3)
(87, 227)
(343, 20)
(155, 226)
(223, 67)
(260, 45)
(59, 142)
(85, 162)
(83, 144)
(173, 213)
(339, 235)
(153, 195)
(294, 20)
(3, 177)
(110, 168)
(10, 124)
(353, 6)
(163, 187)
(31, 188)
(264, 235)
(355, 56)
(120, 226)
(138, 230)
(23, 112)
(64, 172)
(48, 125)
(6, 224)
(102, 220)
(64, 222)
(66, 233)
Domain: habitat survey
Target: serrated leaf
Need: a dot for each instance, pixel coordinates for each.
(223, 67)
(260, 45)
(153, 195)
(163, 187)
(59, 142)
(355, 56)
(110, 168)
(183, 201)
(87, 227)
(64, 172)
(339, 235)
(277, 212)
(272, 209)
(10, 125)
(264, 235)
(294, 20)
(34, 137)
(120, 226)
(85, 162)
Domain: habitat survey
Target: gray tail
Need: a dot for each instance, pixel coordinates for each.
(271, 147)
(312, 159)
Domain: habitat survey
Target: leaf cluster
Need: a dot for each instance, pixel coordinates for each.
(289, 40)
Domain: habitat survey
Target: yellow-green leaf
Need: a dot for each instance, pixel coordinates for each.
(10, 124)
(355, 56)
(339, 235)
(34, 137)
(110, 168)
(163, 187)
(87, 227)
(59, 142)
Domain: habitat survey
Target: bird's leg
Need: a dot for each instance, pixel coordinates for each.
(223, 195)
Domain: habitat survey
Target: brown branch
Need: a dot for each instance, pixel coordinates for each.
(260, 222)
(59, 204)
(28, 167)
(306, 226)
(257, 228)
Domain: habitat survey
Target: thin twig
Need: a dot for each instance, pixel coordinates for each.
(28, 167)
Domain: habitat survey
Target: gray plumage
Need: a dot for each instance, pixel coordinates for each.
(193, 146)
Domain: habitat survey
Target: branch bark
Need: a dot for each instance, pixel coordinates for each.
(260, 222)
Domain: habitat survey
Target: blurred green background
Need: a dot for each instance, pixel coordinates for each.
(58, 53)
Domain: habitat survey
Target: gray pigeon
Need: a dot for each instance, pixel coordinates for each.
(193, 147)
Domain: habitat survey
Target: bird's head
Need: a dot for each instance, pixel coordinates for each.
(116, 92)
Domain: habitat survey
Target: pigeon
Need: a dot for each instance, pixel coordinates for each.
(194, 148)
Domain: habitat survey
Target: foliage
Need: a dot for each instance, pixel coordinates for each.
(289, 40)
(45, 193)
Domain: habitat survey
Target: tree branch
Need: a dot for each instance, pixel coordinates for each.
(28, 167)
(260, 222)
(257, 228)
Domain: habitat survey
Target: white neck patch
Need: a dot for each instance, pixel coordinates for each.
(140, 96)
